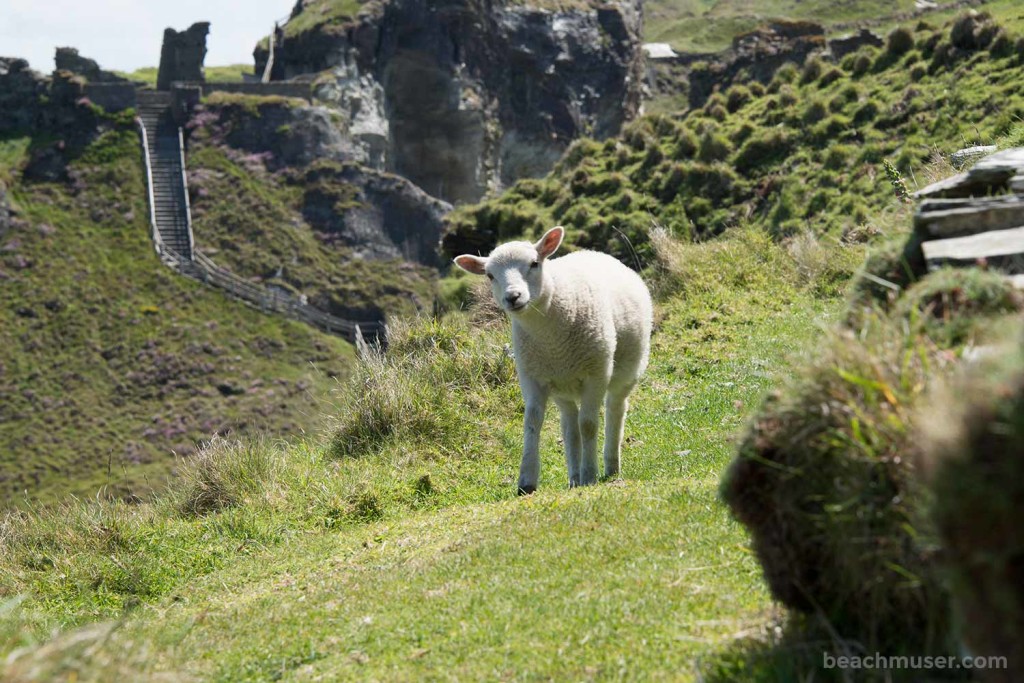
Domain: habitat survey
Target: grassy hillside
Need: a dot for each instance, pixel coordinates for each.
(109, 362)
(251, 220)
(710, 25)
(805, 154)
(391, 545)
(282, 553)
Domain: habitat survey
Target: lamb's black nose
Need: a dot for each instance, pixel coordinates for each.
(513, 297)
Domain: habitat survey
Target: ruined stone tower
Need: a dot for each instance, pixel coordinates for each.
(182, 54)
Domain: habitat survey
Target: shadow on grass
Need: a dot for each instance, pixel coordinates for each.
(801, 650)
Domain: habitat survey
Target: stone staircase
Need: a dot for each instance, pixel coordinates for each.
(169, 193)
(976, 217)
(171, 220)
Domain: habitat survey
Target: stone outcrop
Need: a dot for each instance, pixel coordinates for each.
(182, 55)
(68, 59)
(463, 97)
(290, 131)
(755, 55)
(379, 215)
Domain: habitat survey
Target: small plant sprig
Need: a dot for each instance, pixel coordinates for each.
(899, 185)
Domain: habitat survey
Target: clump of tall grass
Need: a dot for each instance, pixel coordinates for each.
(434, 374)
(824, 480)
(973, 432)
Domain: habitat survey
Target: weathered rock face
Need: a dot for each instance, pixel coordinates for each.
(68, 59)
(182, 55)
(293, 133)
(379, 215)
(376, 214)
(462, 97)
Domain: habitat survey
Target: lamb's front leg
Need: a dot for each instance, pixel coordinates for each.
(590, 413)
(536, 398)
(570, 418)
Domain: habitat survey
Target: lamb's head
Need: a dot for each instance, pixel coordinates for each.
(516, 269)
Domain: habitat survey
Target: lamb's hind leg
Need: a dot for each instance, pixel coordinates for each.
(570, 417)
(590, 412)
(616, 404)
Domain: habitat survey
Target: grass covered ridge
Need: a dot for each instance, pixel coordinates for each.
(286, 548)
(804, 154)
(108, 360)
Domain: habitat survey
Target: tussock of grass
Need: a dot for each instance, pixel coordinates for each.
(824, 480)
(974, 435)
(224, 474)
(420, 390)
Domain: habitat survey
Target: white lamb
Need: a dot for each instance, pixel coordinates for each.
(581, 333)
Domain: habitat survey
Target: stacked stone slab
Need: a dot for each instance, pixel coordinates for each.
(976, 217)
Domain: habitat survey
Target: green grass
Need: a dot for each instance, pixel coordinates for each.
(281, 570)
(251, 221)
(231, 73)
(710, 25)
(110, 361)
(807, 153)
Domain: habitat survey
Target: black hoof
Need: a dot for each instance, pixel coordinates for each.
(525, 490)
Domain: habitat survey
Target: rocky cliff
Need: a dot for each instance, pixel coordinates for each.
(462, 96)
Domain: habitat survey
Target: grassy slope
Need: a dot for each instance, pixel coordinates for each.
(237, 197)
(709, 25)
(746, 157)
(465, 566)
(214, 74)
(113, 360)
(632, 579)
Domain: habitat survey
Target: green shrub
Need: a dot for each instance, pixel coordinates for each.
(950, 304)
(975, 437)
(223, 474)
(918, 72)
(685, 145)
(788, 96)
(757, 89)
(862, 63)
(407, 392)
(713, 147)
(837, 157)
(899, 41)
(824, 481)
(830, 77)
(770, 146)
(814, 112)
(813, 68)
(736, 97)
(787, 73)
(718, 113)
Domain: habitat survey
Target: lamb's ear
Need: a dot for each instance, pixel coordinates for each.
(471, 264)
(549, 243)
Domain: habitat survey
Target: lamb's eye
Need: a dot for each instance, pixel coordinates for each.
(489, 276)
(534, 264)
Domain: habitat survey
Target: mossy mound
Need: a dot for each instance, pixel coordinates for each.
(976, 454)
(825, 482)
(950, 304)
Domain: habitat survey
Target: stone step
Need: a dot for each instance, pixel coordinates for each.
(991, 173)
(942, 218)
(1002, 249)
